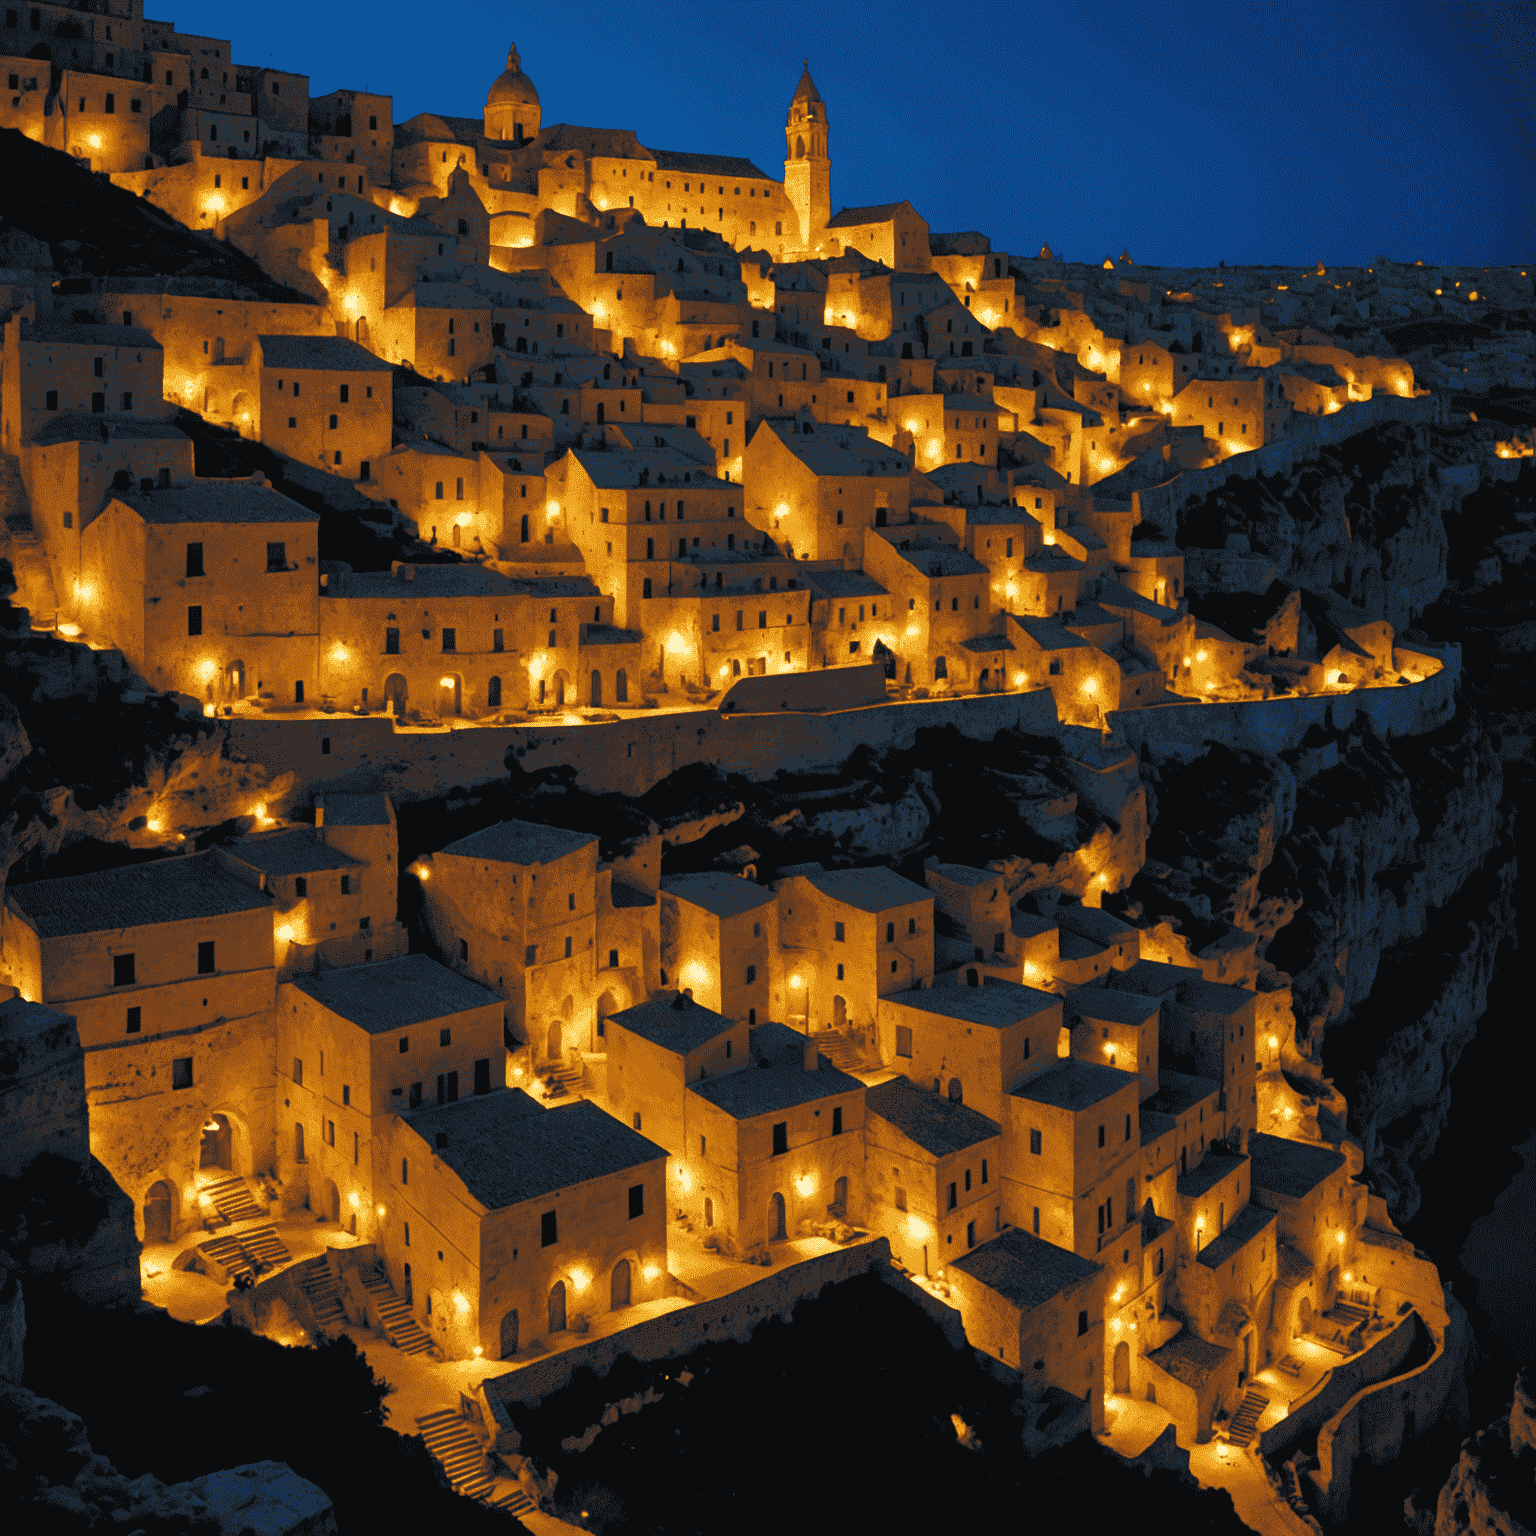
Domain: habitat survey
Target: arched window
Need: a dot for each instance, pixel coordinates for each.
(940, 668)
(621, 687)
(493, 693)
(524, 528)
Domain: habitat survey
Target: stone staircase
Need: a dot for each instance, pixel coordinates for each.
(245, 1253)
(1245, 1422)
(400, 1327)
(845, 1054)
(232, 1200)
(460, 1454)
(324, 1298)
(568, 1076)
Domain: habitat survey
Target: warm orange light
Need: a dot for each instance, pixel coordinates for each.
(1090, 685)
(650, 1272)
(285, 934)
(155, 826)
(461, 1302)
(580, 1279)
(353, 1200)
(446, 682)
(806, 1185)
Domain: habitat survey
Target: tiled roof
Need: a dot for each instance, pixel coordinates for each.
(1287, 1167)
(672, 1021)
(1208, 1173)
(395, 994)
(93, 336)
(1214, 996)
(995, 1003)
(136, 896)
(113, 426)
(936, 1123)
(608, 634)
(520, 842)
(724, 895)
(1074, 1085)
(1241, 1230)
(506, 1149)
(875, 889)
(1189, 1359)
(1178, 1092)
(845, 584)
(1154, 978)
(458, 579)
(710, 165)
(1113, 1007)
(1023, 1268)
(356, 810)
(878, 213)
(296, 851)
(216, 501)
(765, 1090)
(330, 353)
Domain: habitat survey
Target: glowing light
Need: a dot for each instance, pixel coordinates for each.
(424, 873)
(725, 669)
(261, 813)
(214, 204)
(806, 1185)
(1347, 1275)
(352, 303)
(1115, 1324)
(94, 140)
(1289, 1112)
(85, 592)
(1050, 538)
(1020, 678)
(1274, 1042)
(684, 1179)
(917, 1228)
(599, 312)
(782, 510)
(380, 1212)
(694, 974)
(338, 652)
(212, 1125)
(155, 826)
(209, 711)
(516, 1071)
(676, 644)
(795, 982)
(464, 519)
(207, 669)
(1011, 590)
(479, 1350)
(1090, 686)
(1201, 655)
(285, 934)
(1186, 661)
(552, 509)
(1339, 1238)
(69, 630)
(461, 1303)
(912, 631)
(935, 448)
(1199, 1223)
(580, 1279)
(445, 682)
(650, 1272)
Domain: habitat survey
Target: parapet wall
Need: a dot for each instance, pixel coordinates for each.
(1271, 726)
(733, 1316)
(346, 752)
(1160, 505)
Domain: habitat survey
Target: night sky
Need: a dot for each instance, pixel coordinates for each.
(1194, 134)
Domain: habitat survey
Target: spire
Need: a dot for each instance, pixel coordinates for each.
(806, 90)
(513, 61)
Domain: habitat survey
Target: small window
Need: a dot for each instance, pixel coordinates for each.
(195, 559)
(195, 619)
(751, 974)
(135, 1021)
(983, 1170)
(890, 933)
(1034, 1142)
(1082, 1324)
(277, 556)
(122, 970)
(636, 1200)
(837, 1120)
(549, 1230)
(346, 1094)
(405, 1044)
(1101, 1135)
(904, 1041)
(838, 932)
(780, 1138)
(967, 1181)
(952, 1199)
(181, 1072)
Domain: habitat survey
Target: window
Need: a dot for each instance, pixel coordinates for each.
(781, 1138)
(911, 925)
(498, 640)
(613, 959)
(967, 1181)
(837, 1118)
(567, 946)
(135, 1021)
(445, 1036)
(334, 421)
(344, 389)
(51, 400)
(751, 974)
(450, 639)
(1082, 1324)
(636, 1200)
(122, 970)
(181, 1072)
(1101, 1135)
(194, 559)
(405, 1044)
(277, 557)
(405, 1170)
(838, 933)
(970, 1234)
(330, 1133)
(415, 1095)
(983, 1170)
(549, 1230)
(391, 642)
(904, 1041)
(1037, 1220)
(298, 1072)
(952, 1199)
(346, 1094)
(1127, 1127)
(195, 619)
(1034, 1142)
(205, 965)
(890, 933)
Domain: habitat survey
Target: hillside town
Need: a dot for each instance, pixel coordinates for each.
(761, 468)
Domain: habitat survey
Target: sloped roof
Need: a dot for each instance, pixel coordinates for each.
(874, 889)
(878, 213)
(296, 851)
(136, 896)
(216, 501)
(724, 895)
(674, 1022)
(1023, 1268)
(1286, 1167)
(520, 842)
(935, 1122)
(395, 994)
(763, 1090)
(711, 165)
(1074, 1085)
(334, 354)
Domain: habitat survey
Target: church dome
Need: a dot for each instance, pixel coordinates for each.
(512, 104)
(512, 87)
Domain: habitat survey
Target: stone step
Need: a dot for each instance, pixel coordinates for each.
(232, 1199)
(400, 1325)
(264, 1247)
(458, 1451)
(1246, 1420)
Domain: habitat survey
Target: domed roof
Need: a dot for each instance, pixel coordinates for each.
(806, 90)
(512, 88)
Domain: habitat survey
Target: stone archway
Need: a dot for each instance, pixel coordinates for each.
(777, 1229)
(562, 685)
(554, 1045)
(1122, 1368)
(396, 693)
(330, 1201)
(618, 1286)
(509, 1329)
(216, 1149)
(159, 1212)
(557, 1307)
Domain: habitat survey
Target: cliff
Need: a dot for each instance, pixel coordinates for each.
(1493, 1486)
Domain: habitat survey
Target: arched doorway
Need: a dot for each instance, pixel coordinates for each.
(557, 1307)
(509, 1334)
(562, 682)
(597, 689)
(621, 687)
(553, 1044)
(607, 1005)
(395, 693)
(158, 1222)
(215, 1149)
(709, 1211)
(330, 1201)
(450, 694)
(234, 680)
(886, 657)
(776, 1229)
(956, 1092)
(618, 1288)
(839, 1012)
(839, 1206)
(1122, 1368)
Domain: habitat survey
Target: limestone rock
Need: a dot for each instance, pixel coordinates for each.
(265, 1498)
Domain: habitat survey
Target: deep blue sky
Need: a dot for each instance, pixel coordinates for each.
(1192, 133)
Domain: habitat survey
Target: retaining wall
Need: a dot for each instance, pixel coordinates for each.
(733, 1316)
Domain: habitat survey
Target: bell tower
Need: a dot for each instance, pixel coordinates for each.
(807, 168)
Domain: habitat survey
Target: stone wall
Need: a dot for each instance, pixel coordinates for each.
(733, 1316)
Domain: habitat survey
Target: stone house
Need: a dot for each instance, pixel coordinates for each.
(719, 934)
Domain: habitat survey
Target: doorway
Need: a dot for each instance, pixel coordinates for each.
(157, 1213)
(330, 1201)
(450, 690)
(1122, 1368)
(618, 1289)
(839, 1206)
(553, 1041)
(597, 689)
(395, 693)
(839, 1012)
(215, 1149)
(557, 1307)
(509, 1334)
(709, 1211)
(956, 1092)
(561, 682)
(405, 1286)
(1247, 1370)
(776, 1229)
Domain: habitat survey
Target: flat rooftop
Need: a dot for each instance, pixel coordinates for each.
(875, 889)
(763, 1090)
(675, 1023)
(1023, 1268)
(722, 894)
(506, 1149)
(996, 1004)
(933, 1120)
(1178, 1092)
(1154, 978)
(1292, 1168)
(520, 842)
(356, 810)
(296, 851)
(1203, 996)
(1189, 1359)
(215, 501)
(1212, 1168)
(1074, 1085)
(1112, 1006)
(395, 994)
(1248, 1224)
(136, 896)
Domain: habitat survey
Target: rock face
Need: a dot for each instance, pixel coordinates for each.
(52, 1481)
(1493, 1487)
